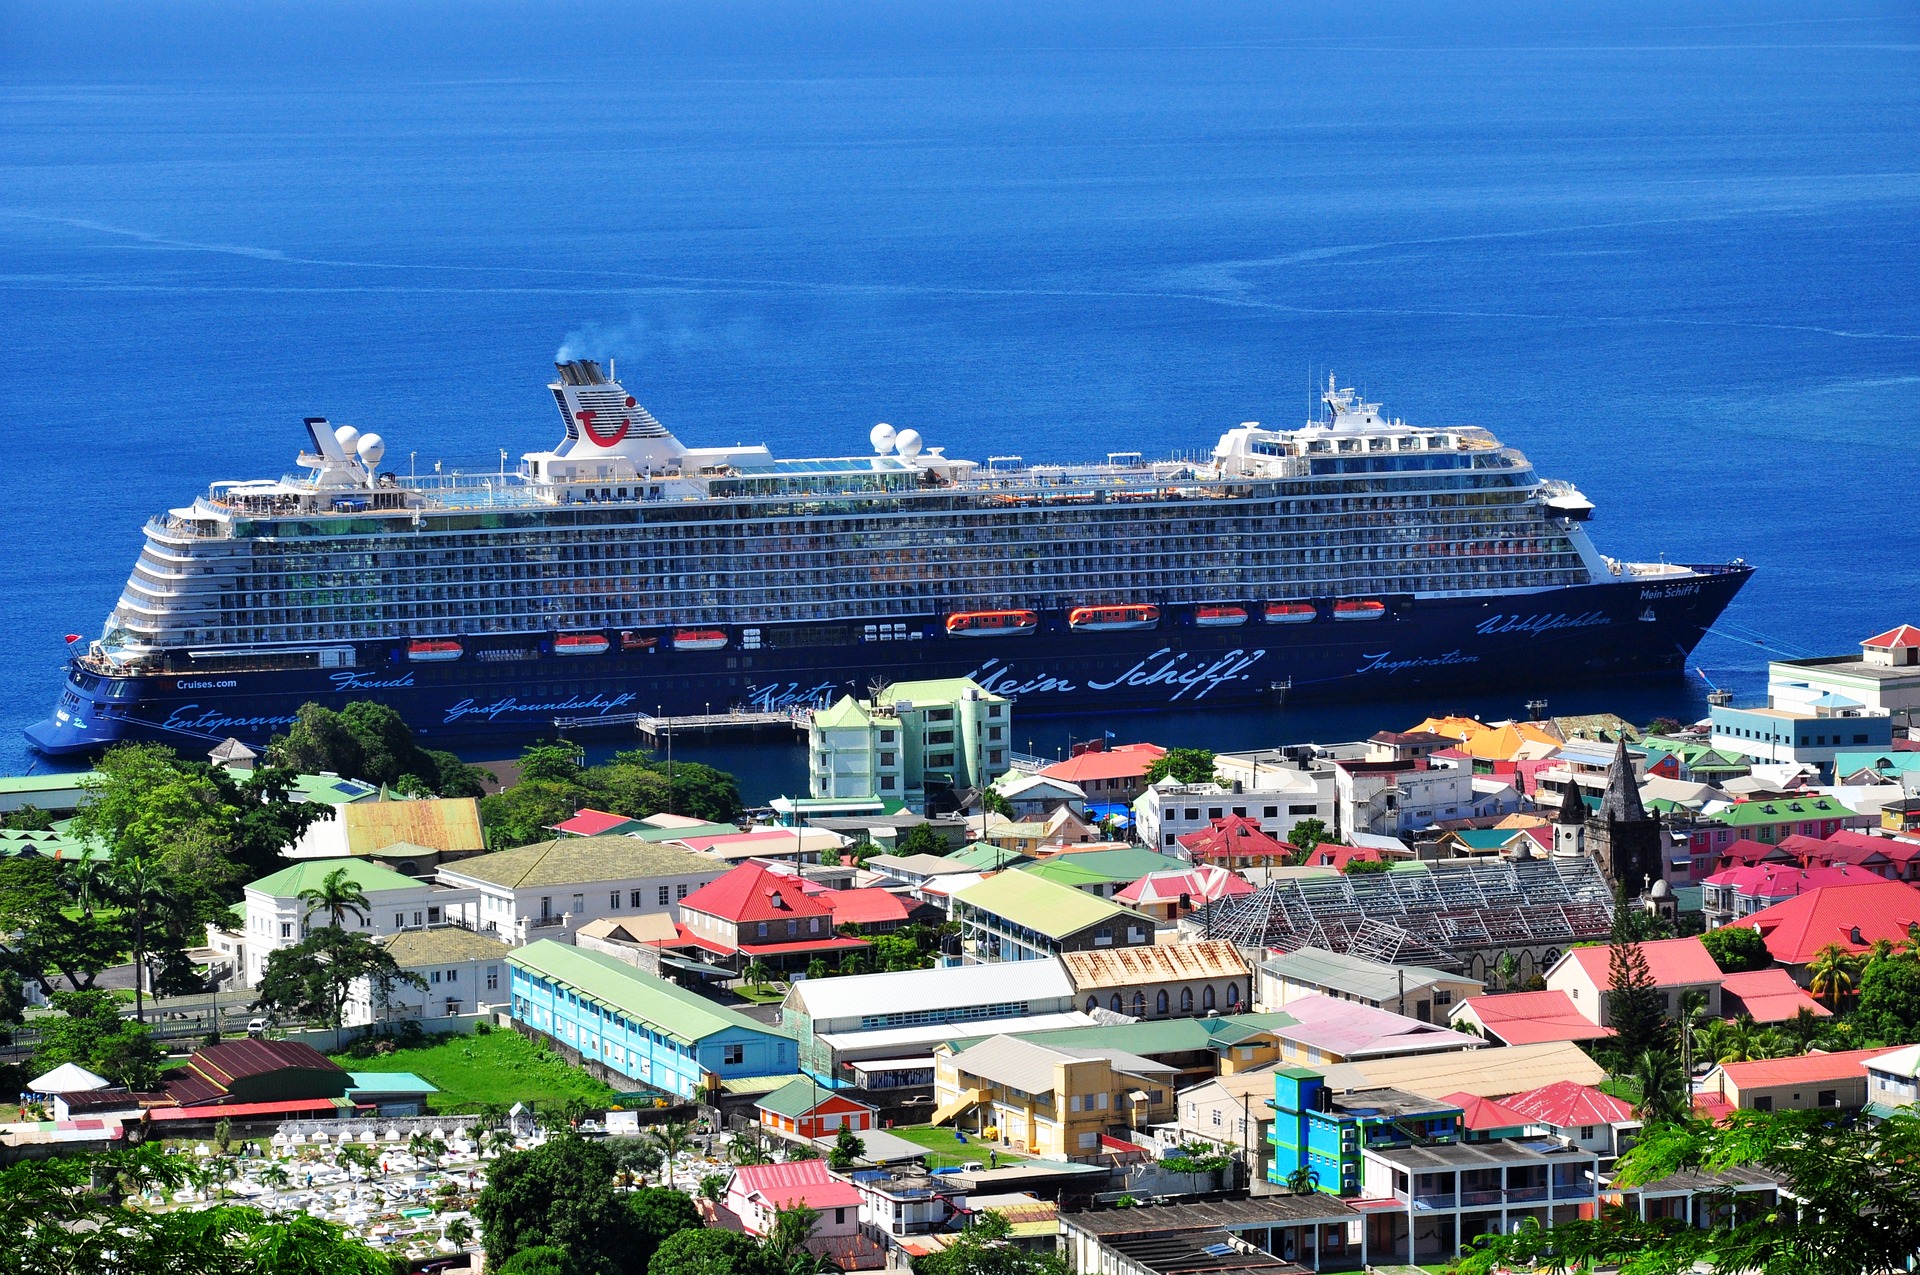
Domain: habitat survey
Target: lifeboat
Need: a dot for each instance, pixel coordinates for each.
(1112, 619)
(1214, 615)
(581, 644)
(992, 623)
(1289, 613)
(1360, 609)
(698, 639)
(433, 650)
(631, 641)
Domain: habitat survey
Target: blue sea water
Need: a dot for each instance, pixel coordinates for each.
(1668, 249)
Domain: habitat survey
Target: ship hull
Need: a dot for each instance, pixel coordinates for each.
(1584, 633)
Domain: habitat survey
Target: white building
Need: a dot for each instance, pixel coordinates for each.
(1169, 810)
(1395, 799)
(549, 888)
(911, 738)
(465, 975)
(277, 917)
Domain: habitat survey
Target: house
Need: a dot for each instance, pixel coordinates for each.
(1016, 916)
(1107, 776)
(1161, 981)
(1769, 819)
(1168, 896)
(756, 914)
(1892, 858)
(1595, 1121)
(1235, 841)
(1266, 1235)
(1853, 916)
(1678, 966)
(1734, 894)
(1169, 810)
(899, 1017)
(1488, 1073)
(1527, 1018)
(1232, 1112)
(920, 742)
(902, 1203)
(243, 1072)
(277, 917)
(1395, 798)
(411, 836)
(1891, 1080)
(634, 1027)
(808, 845)
(1419, 991)
(1038, 795)
(1487, 1119)
(588, 822)
(1198, 1049)
(756, 1193)
(464, 973)
(1767, 996)
(1049, 1100)
(1326, 1029)
(802, 1108)
(1332, 854)
(1837, 1080)
(550, 888)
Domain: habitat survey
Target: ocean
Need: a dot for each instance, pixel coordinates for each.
(1668, 250)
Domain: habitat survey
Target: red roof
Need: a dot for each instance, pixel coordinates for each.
(1330, 854)
(751, 892)
(1771, 996)
(1128, 761)
(1481, 1114)
(864, 907)
(591, 823)
(1672, 962)
(1814, 851)
(1234, 837)
(1898, 849)
(1747, 850)
(801, 1182)
(1854, 916)
(1534, 1018)
(1567, 1104)
(1892, 639)
(1202, 884)
(1711, 1106)
(291, 1107)
(1783, 880)
(1804, 1070)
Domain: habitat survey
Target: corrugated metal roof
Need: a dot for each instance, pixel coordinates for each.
(1009, 1060)
(1486, 1073)
(580, 860)
(1042, 906)
(613, 984)
(1355, 975)
(444, 823)
(1131, 966)
(952, 987)
(308, 874)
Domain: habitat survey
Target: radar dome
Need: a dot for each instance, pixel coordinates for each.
(908, 441)
(347, 436)
(882, 437)
(371, 448)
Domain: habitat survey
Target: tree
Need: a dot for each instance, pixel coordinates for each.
(1304, 1180)
(659, 1214)
(313, 979)
(1635, 1008)
(318, 742)
(994, 802)
(1888, 1009)
(28, 818)
(710, 1252)
(337, 895)
(1358, 867)
(43, 937)
(1856, 1189)
(1737, 948)
(1307, 834)
(458, 1232)
(785, 1247)
(560, 1193)
(712, 1186)
(983, 1249)
(551, 763)
(848, 1150)
(92, 1034)
(1507, 971)
(922, 838)
(541, 1259)
(1833, 974)
(1664, 1091)
(526, 812)
(1183, 766)
(635, 1158)
(756, 973)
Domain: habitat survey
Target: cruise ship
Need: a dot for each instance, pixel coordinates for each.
(623, 573)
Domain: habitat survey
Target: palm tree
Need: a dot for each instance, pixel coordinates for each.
(1664, 1092)
(137, 888)
(336, 895)
(458, 1232)
(1911, 945)
(1304, 1180)
(500, 1140)
(85, 877)
(745, 1150)
(756, 973)
(673, 1138)
(1693, 1010)
(713, 1186)
(1507, 970)
(275, 1177)
(1833, 974)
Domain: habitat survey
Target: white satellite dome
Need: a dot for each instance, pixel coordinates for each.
(347, 436)
(882, 436)
(371, 448)
(908, 442)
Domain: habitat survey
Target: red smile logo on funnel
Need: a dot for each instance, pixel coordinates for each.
(585, 417)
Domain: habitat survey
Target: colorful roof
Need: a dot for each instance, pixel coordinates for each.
(1482, 1115)
(1040, 905)
(1164, 963)
(1782, 880)
(1771, 996)
(1672, 962)
(308, 874)
(1759, 813)
(1854, 916)
(801, 1182)
(1198, 885)
(803, 1097)
(592, 823)
(1903, 635)
(864, 907)
(1352, 1030)
(753, 892)
(843, 713)
(1235, 837)
(1330, 855)
(1805, 1069)
(1128, 761)
(613, 984)
(1530, 1018)
(444, 823)
(578, 861)
(1566, 1104)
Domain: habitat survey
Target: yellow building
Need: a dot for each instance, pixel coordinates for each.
(1049, 1100)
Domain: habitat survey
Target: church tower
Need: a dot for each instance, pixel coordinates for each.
(1622, 837)
(1570, 825)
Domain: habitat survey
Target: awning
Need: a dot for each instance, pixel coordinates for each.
(688, 965)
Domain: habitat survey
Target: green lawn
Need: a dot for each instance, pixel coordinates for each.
(500, 1067)
(767, 995)
(1625, 1088)
(944, 1153)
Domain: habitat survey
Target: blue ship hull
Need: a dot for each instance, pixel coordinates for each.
(1585, 633)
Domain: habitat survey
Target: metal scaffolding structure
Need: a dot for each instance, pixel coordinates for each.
(1428, 913)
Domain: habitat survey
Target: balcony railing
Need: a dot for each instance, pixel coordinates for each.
(1573, 1190)
(1435, 1201)
(1526, 1194)
(1468, 1199)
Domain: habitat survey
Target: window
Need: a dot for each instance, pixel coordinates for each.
(1586, 1131)
(1214, 813)
(1186, 1000)
(1827, 1098)
(680, 891)
(286, 928)
(1763, 1103)
(1233, 995)
(661, 897)
(1160, 1001)
(762, 930)
(613, 901)
(453, 976)
(1271, 812)
(1206, 997)
(886, 782)
(634, 899)
(886, 759)
(579, 904)
(1217, 1122)
(1114, 1004)
(493, 978)
(733, 1055)
(1443, 998)
(435, 977)
(1088, 1141)
(416, 918)
(886, 737)
(1192, 814)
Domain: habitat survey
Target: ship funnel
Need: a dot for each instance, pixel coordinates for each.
(580, 372)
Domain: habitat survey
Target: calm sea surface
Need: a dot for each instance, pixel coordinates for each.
(1669, 250)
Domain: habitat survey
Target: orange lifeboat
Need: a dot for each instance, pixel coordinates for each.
(992, 623)
(581, 644)
(631, 641)
(1113, 619)
(1289, 613)
(1215, 615)
(698, 639)
(433, 650)
(1360, 609)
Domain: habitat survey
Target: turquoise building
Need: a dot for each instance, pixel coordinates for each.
(638, 1026)
(1314, 1128)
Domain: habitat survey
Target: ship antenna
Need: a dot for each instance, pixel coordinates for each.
(613, 368)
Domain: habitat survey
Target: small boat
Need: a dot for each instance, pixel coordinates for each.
(433, 650)
(1360, 609)
(631, 641)
(698, 639)
(581, 644)
(1113, 619)
(1289, 613)
(1214, 615)
(992, 623)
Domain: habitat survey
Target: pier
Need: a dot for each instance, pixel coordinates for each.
(653, 728)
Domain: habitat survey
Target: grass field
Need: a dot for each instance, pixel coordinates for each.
(944, 1153)
(500, 1067)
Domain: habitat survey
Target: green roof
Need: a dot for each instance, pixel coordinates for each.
(1484, 838)
(388, 1082)
(58, 844)
(1157, 1036)
(846, 711)
(797, 1097)
(1749, 814)
(613, 984)
(746, 1086)
(935, 690)
(329, 790)
(1040, 905)
(442, 944)
(1067, 872)
(649, 835)
(308, 874)
(982, 854)
(581, 860)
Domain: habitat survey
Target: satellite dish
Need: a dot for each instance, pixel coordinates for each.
(346, 436)
(908, 441)
(882, 437)
(371, 448)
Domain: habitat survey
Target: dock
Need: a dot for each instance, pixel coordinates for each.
(653, 729)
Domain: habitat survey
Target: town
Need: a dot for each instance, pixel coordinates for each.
(1461, 993)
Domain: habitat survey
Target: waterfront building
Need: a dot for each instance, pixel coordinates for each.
(277, 917)
(911, 741)
(1107, 776)
(550, 888)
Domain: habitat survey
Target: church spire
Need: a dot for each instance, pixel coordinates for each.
(1622, 802)
(1573, 807)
